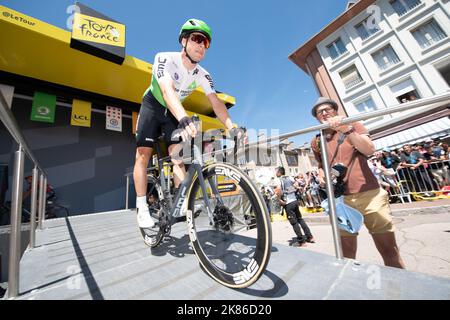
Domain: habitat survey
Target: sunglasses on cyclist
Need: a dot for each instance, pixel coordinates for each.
(198, 38)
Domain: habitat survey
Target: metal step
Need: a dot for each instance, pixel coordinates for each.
(102, 256)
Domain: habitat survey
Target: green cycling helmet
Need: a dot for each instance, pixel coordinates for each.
(195, 25)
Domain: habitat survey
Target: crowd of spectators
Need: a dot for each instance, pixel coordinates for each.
(424, 167)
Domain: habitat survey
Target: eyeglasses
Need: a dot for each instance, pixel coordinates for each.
(326, 110)
(198, 38)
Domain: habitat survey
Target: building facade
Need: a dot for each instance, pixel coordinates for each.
(379, 54)
(260, 161)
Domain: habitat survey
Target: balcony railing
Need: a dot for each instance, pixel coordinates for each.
(367, 33)
(352, 83)
(335, 57)
(387, 65)
(406, 9)
(428, 43)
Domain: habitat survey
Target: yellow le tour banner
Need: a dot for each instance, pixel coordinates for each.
(81, 113)
(134, 117)
(87, 28)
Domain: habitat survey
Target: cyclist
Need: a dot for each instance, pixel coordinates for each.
(175, 75)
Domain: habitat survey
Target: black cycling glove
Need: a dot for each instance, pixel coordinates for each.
(184, 122)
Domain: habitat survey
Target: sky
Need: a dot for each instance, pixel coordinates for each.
(248, 58)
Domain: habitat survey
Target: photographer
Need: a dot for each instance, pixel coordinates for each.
(349, 146)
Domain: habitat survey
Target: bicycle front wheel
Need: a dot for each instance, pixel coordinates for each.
(229, 226)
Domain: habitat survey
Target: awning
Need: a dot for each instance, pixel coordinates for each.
(38, 50)
(435, 129)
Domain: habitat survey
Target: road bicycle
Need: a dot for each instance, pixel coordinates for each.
(227, 220)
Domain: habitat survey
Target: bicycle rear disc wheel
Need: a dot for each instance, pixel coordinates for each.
(233, 243)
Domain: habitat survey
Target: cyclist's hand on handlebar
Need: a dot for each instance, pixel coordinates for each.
(188, 127)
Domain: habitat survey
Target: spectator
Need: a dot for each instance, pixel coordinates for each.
(389, 159)
(267, 193)
(437, 168)
(413, 160)
(445, 151)
(352, 145)
(314, 189)
(377, 170)
(437, 151)
(285, 191)
(301, 192)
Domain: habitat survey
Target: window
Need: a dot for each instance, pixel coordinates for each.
(403, 6)
(408, 97)
(445, 73)
(366, 106)
(385, 58)
(364, 31)
(428, 34)
(336, 49)
(350, 77)
(266, 158)
(292, 160)
(405, 91)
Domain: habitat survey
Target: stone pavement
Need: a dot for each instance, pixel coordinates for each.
(423, 236)
(398, 210)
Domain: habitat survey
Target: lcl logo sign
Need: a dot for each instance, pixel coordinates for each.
(82, 118)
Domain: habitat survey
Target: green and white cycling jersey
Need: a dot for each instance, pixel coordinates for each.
(170, 65)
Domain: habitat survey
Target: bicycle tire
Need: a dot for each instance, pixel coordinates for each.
(235, 257)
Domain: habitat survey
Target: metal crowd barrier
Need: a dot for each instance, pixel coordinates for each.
(37, 207)
(425, 182)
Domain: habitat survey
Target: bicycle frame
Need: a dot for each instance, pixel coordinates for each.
(196, 167)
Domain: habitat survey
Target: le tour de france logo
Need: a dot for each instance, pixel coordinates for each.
(87, 28)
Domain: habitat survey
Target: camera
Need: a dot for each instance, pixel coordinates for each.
(338, 173)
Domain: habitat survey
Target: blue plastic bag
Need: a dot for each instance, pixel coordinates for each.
(348, 218)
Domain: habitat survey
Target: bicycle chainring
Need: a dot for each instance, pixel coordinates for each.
(223, 219)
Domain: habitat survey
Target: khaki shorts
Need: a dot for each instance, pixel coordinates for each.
(374, 206)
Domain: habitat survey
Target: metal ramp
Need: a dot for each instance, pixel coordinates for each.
(102, 256)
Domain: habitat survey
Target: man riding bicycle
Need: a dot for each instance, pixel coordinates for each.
(175, 75)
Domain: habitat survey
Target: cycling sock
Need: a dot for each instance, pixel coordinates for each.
(141, 202)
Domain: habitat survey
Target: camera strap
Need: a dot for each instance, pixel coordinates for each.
(352, 162)
(340, 141)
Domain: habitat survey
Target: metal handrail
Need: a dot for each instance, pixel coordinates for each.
(8, 119)
(440, 98)
(10, 123)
